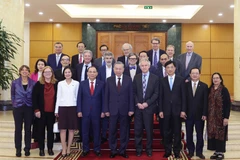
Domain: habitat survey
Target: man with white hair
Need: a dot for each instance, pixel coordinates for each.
(127, 49)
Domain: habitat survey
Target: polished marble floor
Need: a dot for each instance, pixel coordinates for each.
(233, 145)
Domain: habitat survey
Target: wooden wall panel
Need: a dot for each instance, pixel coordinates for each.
(228, 82)
(195, 32)
(206, 79)
(223, 66)
(222, 32)
(41, 31)
(103, 38)
(40, 49)
(69, 47)
(222, 50)
(67, 32)
(202, 48)
(118, 40)
(140, 41)
(206, 64)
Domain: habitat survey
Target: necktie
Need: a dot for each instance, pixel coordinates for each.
(194, 88)
(91, 88)
(57, 59)
(188, 56)
(133, 67)
(119, 84)
(171, 83)
(86, 72)
(155, 60)
(80, 58)
(144, 85)
(103, 63)
(126, 62)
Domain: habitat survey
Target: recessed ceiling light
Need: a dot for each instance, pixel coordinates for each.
(220, 14)
(97, 20)
(164, 20)
(211, 21)
(50, 19)
(232, 6)
(27, 5)
(40, 13)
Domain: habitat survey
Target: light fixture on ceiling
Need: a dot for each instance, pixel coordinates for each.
(211, 21)
(164, 21)
(40, 13)
(50, 19)
(232, 6)
(97, 20)
(130, 6)
(27, 5)
(220, 14)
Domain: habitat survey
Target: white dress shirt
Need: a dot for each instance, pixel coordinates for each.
(133, 72)
(108, 71)
(66, 94)
(120, 79)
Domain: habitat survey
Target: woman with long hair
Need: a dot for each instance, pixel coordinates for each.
(39, 65)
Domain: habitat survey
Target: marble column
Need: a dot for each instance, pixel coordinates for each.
(236, 103)
(12, 16)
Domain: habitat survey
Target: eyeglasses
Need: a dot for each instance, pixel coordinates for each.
(65, 59)
(103, 49)
(47, 72)
(132, 58)
(155, 43)
(163, 59)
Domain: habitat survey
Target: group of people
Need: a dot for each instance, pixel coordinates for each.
(94, 96)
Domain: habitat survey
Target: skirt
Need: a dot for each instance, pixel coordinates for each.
(67, 118)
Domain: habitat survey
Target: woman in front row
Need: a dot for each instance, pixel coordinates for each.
(218, 114)
(66, 110)
(44, 98)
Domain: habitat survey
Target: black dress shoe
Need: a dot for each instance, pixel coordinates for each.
(124, 155)
(27, 152)
(84, 153)
(200, 156)
(41, 153)
(103, 140)
(166, 155)
(138, 154)
(98, 153)
(112, 155)
(190, 154)
(50, 152)
(149, 154)
(220, 157)
(18, 153)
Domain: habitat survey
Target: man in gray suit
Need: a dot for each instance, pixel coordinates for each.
(189, 60)
(99, 62)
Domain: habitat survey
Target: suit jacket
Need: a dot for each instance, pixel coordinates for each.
(197, 106)
(172, 102)
(152, 92)
(127, 71)
(159, 70)
(38, 96)
(119, 102)
(179, 68)
(195, 61)
(51, 61)
(98, 62)
(87, 103)
(59, 75)
(121, 59)
(74, 61)
(78, 71)
(150, 54)
(102, 73)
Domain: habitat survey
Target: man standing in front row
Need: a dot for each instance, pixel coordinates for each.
(145, 91)
(197, 104)
(172, 107)
(118, 107)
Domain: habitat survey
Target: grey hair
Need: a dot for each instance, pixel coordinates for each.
(118, 62)
(144, 60)
(130, 46)
(155, 39)
(108, 53)
(88, 51)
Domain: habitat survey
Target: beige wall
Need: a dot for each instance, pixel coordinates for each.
(214, 42)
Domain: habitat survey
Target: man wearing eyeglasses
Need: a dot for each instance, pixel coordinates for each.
(99, 62)
(132, 69)
(155, 53)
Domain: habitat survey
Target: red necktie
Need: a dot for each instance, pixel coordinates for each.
(91, 88)
(119, 84)
(80, 58)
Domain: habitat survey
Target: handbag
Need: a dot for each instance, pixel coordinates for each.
(55, 128)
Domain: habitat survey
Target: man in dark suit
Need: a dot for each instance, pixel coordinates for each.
(172, 107)
(81, 69)
(170, 52)
(89, 107)
(99, 62)
(161, 71)
(155, 53)
(127, 49)
(78, 58)
(143, 55)
(190, 60)
(132, 69)
(145, 91)
(118, 107)
(105, 72)
(197, 105)
(53, 59)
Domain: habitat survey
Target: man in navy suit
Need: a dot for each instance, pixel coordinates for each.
(197, 106)
(99, 62)
(132, 69)
(53, 59)
(190, 60)
(127, 49)
(172, 107)
(118, 107)
(145, 89)
(161, 71)
(105, 72)
(78, 58)
(89, 107)
(155, 53)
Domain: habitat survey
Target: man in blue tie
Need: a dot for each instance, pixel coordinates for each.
(132, 69)
(99, 62)
(172, 107)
